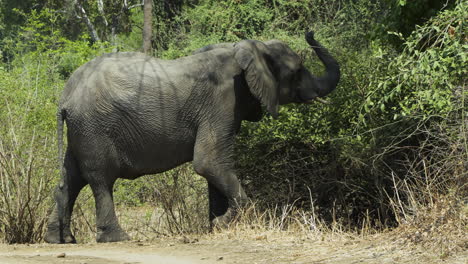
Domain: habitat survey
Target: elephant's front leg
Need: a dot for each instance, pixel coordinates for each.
(213, 160)
(218, 203)
(228, 185)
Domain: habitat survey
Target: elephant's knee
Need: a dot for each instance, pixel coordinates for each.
(203, 167)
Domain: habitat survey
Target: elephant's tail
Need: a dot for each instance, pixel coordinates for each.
(61, 116)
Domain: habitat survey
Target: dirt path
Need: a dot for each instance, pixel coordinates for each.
(222, 250)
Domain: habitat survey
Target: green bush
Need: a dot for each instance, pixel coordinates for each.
(357, 147)
(423, 78)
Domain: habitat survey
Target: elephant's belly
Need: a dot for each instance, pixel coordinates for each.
(155, 156)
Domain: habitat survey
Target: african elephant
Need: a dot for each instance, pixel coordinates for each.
(129, 115)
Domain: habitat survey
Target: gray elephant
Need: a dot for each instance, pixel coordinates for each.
(129, 115)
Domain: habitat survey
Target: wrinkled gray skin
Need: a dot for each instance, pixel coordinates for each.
(129, 115)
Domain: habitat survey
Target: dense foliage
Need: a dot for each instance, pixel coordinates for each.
(397, 119)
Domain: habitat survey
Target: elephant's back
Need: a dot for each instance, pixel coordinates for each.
(93, 76)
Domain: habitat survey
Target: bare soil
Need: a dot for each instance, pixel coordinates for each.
(225, 248)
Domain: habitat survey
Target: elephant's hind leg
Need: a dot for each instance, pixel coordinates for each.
(70, 185)
(108, 228)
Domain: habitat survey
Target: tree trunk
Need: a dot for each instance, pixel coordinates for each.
(100, 5)
(85, 18)
(147, 26)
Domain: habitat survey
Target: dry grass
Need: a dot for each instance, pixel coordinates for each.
(441, 227)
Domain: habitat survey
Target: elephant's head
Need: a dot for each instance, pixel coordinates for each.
(275, 74)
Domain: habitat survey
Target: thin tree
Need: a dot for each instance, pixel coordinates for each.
(147, 26)
(84, 16)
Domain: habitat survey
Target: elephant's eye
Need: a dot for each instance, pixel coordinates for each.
(295, 76)
(297, 72)
(294, 71)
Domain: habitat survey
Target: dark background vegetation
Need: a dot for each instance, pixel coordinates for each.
(392, 143)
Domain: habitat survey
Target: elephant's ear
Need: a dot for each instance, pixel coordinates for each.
(251, 57)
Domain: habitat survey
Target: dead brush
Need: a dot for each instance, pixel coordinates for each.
(26, 180)
(176, 203)
(429, 201)
(182, 196)
(83, 220)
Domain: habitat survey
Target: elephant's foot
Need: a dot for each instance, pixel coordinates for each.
(111, 235)
(224, 220)
(53, 236)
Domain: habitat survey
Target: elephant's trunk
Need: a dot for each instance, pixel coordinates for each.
(327, 83)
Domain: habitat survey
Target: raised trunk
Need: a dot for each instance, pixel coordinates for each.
(327, 83)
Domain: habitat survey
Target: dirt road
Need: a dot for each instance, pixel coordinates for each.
(260, 249)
